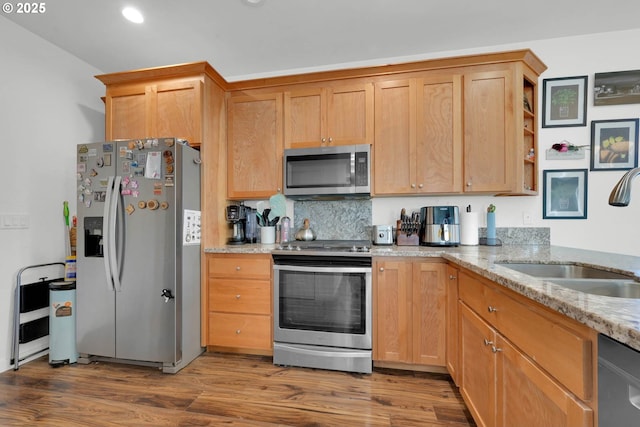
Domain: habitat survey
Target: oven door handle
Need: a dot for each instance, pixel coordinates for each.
(318, 269)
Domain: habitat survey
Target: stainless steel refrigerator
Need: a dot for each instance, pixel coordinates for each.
(138, 252)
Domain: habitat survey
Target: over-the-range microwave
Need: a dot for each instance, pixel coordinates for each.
(319, 172)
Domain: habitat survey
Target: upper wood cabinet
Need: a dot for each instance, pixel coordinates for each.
(254, 138)
(170, 107)
(418, 135)
(499, 131)
(329, 115)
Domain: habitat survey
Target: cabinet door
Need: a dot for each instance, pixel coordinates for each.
(489, 138)
(350, 114)
(254, 146)
(304, 118)
(477, 367)
(126, 113)
(429, 298)
(392, 311)
(394, 157)
(528, 396)
(439, 134)
(177, 110)
(452, 331)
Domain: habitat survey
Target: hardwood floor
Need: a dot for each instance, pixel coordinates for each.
(229, 390)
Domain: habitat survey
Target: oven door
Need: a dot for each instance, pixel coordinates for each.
(327, 306)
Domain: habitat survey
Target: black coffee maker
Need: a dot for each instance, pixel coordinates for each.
(237, 217)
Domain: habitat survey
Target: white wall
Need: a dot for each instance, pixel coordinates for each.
(607, 228)
(49, 102)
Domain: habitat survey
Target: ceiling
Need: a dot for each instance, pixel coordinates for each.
(292, 36)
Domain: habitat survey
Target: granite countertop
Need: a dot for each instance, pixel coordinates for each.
(618, 318)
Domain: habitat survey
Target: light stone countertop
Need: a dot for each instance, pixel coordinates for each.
(618, 318)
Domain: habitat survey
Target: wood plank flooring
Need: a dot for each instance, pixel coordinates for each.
(221, 389)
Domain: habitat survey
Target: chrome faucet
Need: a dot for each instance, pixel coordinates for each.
(621, 193)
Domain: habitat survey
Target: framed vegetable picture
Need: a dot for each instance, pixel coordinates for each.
(564, 102)
(614, 144)
(564, 194)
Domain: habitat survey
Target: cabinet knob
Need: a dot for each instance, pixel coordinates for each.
(492, 309)
(413, 186)
(487, 342)
(452, 277)
(237, 268)
(323, 140)
(238, 296)
(495, 349)
(420, 186)
(468, 183)
(381, 269)
(330, 140)
(237, 331)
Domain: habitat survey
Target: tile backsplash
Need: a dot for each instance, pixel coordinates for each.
(335, 220)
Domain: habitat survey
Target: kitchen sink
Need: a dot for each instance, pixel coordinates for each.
(608, 288)
(567, 271)
(590, 280)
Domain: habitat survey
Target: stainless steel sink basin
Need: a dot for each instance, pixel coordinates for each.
(568, 271)
(603, 287)
(590, 280)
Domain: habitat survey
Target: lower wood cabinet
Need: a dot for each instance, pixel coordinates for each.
(239, 315)
(410, 311)
(521, 364)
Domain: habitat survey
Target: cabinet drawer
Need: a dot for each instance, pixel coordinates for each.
(549, 340)
(245, 267)
(240, 296)
(249, 331)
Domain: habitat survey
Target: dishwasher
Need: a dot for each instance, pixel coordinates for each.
(618, 384)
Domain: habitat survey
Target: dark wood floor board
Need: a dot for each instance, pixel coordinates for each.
(225, 390)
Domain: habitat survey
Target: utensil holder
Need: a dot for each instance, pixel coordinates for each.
(268, 235)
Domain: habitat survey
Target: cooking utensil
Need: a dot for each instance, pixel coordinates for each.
(305, 232)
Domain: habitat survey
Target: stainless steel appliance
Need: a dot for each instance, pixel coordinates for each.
(343, 170)
(237, 217)
(322, 305)
(138, 255)
(439, 226)
(382, 235)
(618, 384)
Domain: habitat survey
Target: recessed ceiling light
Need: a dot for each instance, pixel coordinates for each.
(254, 3)
(133, 15)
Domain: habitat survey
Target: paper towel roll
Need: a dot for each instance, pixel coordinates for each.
(468, 228)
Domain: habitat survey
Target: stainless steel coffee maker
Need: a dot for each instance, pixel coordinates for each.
(237, 217)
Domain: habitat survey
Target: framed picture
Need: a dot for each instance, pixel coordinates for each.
(620, 87)
(614, 144)
(564, 102)
(564, 194)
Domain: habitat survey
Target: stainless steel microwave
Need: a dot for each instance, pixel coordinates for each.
(343, 170)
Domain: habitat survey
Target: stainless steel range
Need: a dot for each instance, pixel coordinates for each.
(322, 305)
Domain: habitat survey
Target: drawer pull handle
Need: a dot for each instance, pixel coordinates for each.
(487, 342)
(492, 309)
(238, 296)
(495, 349)
(237, 331)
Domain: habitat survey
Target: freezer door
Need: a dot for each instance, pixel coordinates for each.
(95, 299)
(144, 318)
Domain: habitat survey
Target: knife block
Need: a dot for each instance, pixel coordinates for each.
(404, 238)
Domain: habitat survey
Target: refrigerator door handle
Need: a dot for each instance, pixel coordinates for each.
(112, 249)
(110, 211)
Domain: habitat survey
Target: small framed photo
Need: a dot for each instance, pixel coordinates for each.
(619, 87)
(564, 194)
(564, 102)
(614, 144)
